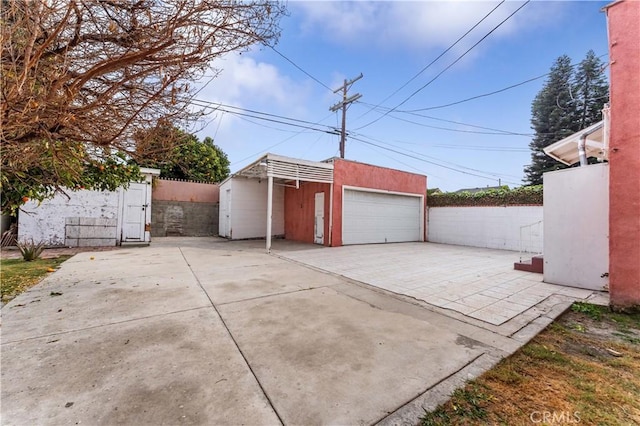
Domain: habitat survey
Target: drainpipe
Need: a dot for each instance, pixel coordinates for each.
(582, 151)
(582, 144)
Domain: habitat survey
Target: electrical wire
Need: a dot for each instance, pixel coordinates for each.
(412, 154)
(513, 86)
(505, 132)
(278, 143)
(447, 67)
(266, 116)
(300, 68)
(428, 161)
(433, 61)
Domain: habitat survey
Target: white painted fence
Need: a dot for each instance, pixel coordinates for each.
(47, 222)
(487, 227)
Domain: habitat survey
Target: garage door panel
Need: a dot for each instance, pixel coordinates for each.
(370, 217)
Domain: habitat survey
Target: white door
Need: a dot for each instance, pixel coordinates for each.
(318, 224)
(134, 212)
(226, 219)
(373, 217)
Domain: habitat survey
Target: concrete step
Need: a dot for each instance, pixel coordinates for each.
(535, 264)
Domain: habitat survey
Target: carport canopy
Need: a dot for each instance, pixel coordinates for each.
(285, 171)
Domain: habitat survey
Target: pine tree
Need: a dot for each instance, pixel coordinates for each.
(568, 102)
(591, 91)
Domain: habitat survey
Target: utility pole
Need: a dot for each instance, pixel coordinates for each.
(345, 102)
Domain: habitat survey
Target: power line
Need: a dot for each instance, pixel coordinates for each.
(422, 157)
(433, 61)
(505, 132)
(447, 67)
(300, 68)
(278, 143)
(513, 86)
(264, 116)
(346, 101)
(425, 160)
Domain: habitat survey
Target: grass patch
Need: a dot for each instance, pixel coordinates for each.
(592, 311)
(566, 374)
(17, 276)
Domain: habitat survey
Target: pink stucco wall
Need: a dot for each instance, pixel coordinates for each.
(624, 154)
(299, 211)
(300, 203)
(171, 190)
(351, 173)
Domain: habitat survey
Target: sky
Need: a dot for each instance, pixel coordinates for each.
(402, 120)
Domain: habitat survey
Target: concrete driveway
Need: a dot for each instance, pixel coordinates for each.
(202, 332)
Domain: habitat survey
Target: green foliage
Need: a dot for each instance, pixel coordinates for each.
(527, 195)
(30, 250)
(195, 160)
(79, 172)
(592, 311)
(180, 155)
(570, 100)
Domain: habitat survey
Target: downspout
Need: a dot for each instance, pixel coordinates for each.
(582, 145)
(582, 151)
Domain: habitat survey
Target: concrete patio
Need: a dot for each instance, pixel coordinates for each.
(202, 331)
(478, 283)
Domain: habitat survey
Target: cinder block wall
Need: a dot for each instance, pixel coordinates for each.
(181, 208)
(183, 218)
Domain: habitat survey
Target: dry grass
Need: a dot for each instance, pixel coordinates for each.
(583, 369)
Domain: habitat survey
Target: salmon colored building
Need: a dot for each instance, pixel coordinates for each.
(623, 19)
(382, 205)
(332, 203)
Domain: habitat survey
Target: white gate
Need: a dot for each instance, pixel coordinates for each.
(134, 212)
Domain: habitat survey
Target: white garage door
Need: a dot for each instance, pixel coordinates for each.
(372, 217)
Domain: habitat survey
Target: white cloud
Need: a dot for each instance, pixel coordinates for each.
(414, 24)
(244, 79)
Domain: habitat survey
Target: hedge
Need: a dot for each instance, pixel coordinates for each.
(525, 195)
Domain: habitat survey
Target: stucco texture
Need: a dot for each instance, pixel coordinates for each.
(624, 154)
(300, 203)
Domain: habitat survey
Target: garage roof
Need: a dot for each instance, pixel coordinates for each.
(290, 169)
(566, 150)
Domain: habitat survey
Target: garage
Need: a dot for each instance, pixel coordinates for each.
(381, 217)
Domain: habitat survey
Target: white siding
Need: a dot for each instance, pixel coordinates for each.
(248, 208)
(487, 227)
(46, 222)
(576, 226)
(374, 217)
(224, 206)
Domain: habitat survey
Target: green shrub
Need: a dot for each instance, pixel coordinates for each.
(30, 250)
(525, 195)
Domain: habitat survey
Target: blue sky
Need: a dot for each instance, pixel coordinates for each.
(390, 43)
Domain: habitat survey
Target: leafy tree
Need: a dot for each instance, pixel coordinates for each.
(181, 155)
(568, 102)
(80, 78)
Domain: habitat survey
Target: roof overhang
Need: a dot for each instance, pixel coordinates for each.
(288, 169)
(566, 150)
